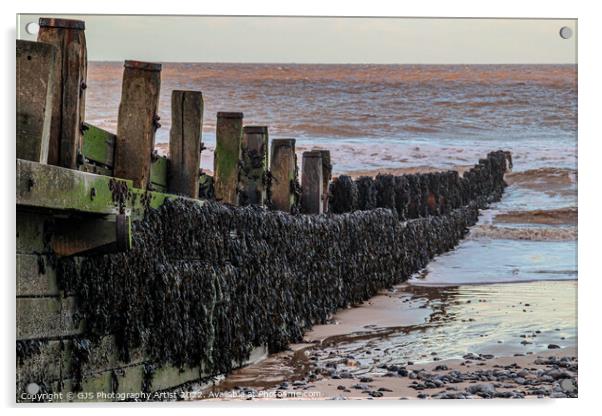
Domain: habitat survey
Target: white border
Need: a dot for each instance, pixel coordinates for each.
(590, 137)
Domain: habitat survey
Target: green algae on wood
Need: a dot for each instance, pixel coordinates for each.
(52, 187)
(98, 145)
(158, 175)
(137, 121)
(227, 157)
(99, 148)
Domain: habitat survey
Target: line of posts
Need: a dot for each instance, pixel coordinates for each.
(51, 84)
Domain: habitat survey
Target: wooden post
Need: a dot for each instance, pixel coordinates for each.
(36, 63)
(69, 97)
(226, 164)
(185, 142)
(254, 165)
(283, 168)
(137, 121)
(326, 177)
(312, 183)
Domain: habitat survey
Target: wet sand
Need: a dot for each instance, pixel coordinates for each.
(547, 374)
(474, 341)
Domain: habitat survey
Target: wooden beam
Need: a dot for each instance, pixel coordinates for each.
(283, 168)
(326, 177)
(69, 98)
(83, 236)
(226, 164)
(137, 121)
(36, 64)
(47, 187)
(99, 145)
(185, 142)
(312, 184)
(254, 165)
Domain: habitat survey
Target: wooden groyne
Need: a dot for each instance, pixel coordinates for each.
(141, 273)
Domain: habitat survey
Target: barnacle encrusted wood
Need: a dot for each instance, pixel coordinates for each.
(423, 194)
(205, 284)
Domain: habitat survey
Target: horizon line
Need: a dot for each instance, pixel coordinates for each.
(338, 63)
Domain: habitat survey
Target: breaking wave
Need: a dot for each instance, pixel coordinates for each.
(524, 233)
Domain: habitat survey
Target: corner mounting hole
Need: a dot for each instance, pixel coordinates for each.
(32, 28)
(566, 32)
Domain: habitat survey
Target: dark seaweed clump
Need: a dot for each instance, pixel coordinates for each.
(421, 195)
(205, 284)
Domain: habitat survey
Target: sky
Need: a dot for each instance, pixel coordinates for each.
(323, 40)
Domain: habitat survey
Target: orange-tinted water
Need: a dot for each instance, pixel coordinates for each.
(378, 116)
(405, 117)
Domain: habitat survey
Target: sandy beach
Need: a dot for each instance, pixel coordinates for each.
(417, 342)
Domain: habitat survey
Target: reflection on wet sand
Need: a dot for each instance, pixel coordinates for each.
(498, 320)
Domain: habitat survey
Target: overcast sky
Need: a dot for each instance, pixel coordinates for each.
(323, 40)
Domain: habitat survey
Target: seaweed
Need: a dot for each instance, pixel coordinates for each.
(204, 284)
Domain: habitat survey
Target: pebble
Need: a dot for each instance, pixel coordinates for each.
(483, 390)
(568, 385)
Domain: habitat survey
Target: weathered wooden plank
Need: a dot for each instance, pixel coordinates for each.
(137, 121)
(185, 142)
(254, 165)
(56, 188)
(326, 177)
(30, 233)
(98, 145)
(108, 234)
(46, 318)
(168, 376)
(35, 276)
(96, 169)
(283, 167)
(227, 157)
(312, 183)
(99, 151)
(158, 178)
(36, 65)
(52, 187)
(69, 97)
(105, 386)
